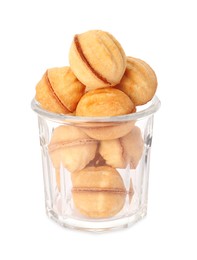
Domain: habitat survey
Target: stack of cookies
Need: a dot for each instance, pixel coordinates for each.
(101, 81)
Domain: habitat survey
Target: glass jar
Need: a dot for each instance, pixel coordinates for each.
(96, 169)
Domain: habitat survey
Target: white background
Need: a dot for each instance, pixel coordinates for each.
(36, 35)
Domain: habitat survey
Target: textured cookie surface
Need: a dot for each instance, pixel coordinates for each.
(104, 102)
(97, 59)
(66, 86)
(47, 98)
(123, 151)
(139, 81)
(98, 192)
(59, 91)
(71, 148)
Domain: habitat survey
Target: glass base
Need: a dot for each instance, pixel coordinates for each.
(97, 225)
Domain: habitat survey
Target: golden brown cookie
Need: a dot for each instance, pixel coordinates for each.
(47, 98)
(97, 59)
(59, 90)
(139, 81)
(126, 150)
(108, 131)
(133, 147)
(98, 192)
(112, 152)
(104, 102)
(71, 148)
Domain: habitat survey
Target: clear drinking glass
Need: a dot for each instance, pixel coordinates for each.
(96, 169)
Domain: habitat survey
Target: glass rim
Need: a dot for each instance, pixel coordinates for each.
(150, 108)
